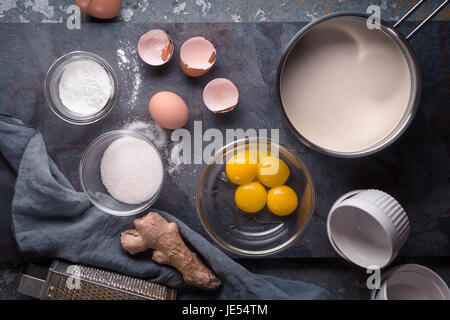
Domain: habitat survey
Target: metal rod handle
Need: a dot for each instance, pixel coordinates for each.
(409, 13)
(413, 9)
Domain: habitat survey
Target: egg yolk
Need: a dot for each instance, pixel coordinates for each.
(250, 197)
(282, 200)
(242, 168)
(272, 172)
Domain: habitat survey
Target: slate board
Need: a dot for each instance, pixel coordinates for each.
(415, 169)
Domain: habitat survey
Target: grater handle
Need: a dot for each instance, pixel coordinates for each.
(33, 282)
(54, 283)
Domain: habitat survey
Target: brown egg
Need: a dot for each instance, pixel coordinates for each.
(197, 56)
(104, 9)
(83, 5)
(168, 110)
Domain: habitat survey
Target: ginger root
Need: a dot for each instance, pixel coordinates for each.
(154, 232)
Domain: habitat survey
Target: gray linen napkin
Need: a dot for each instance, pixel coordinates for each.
(52, 220)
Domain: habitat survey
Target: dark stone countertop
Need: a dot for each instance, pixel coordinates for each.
(415, 169)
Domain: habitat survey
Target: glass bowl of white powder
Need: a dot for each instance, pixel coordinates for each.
(122, 173)
(81, 87)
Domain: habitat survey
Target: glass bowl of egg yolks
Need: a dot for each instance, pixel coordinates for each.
(255, 197)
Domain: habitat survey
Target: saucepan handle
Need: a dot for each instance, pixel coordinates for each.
(413, 9)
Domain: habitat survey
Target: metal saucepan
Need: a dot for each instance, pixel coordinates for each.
(409, 55)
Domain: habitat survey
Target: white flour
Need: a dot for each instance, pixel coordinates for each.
(131, 170)
(85, 87)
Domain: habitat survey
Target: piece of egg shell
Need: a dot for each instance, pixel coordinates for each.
(168, 110)
(155, 47)
(197, 56)
(101, 9)
(221, 95)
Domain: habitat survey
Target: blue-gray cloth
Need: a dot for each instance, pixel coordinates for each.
(52, 220)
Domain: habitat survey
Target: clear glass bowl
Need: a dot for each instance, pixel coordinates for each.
(91, 181)
(254, 234)
(51, 88)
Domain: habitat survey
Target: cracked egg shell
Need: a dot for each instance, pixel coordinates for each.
(220, 95)
(155, 47)
(101, 9)
(197, 56)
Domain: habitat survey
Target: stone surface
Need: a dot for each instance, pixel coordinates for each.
(148, 11)
(414, 169)
(344, 280)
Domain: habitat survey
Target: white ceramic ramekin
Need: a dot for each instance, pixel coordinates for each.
(411, 282)
(367, 227)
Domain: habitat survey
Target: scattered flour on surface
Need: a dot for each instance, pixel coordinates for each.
(128, 62)
(175, 160)
(151, 131)
(127, 14)
(160, 138)
(122, 56)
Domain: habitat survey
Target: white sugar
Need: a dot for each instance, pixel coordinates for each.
(131, 170)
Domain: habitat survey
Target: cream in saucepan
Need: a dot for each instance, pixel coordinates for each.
(345, 87)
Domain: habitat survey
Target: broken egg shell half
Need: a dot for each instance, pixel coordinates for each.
(155, 47)
(101, 9)
(221, 95)
(197, 56)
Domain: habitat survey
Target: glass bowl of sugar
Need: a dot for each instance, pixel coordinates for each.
(81, 87)
(122, 173)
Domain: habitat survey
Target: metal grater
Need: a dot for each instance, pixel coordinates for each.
(66, 281)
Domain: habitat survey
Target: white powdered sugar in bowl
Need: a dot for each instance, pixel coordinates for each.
(81, 87)
(131, 170)
(85, 87)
